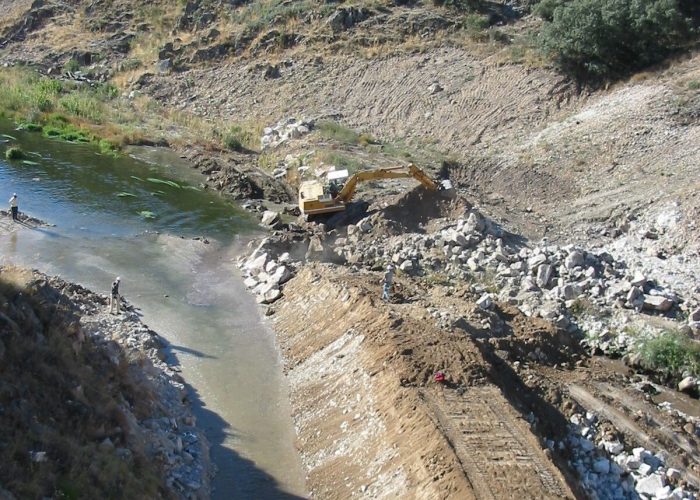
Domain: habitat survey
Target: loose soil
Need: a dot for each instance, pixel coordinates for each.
(371, 419)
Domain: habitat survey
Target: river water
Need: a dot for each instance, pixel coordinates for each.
(121, 217)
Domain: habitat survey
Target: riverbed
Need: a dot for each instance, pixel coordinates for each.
(173, 245)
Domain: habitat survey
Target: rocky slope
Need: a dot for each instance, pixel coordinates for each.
(88, 405)
(495, 317)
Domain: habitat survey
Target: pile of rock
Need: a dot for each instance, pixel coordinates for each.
(607, 470)
(169, 435)
(557, 283)
(264, 275)
(284, 130)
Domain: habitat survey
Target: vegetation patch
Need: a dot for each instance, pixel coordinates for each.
(670, 352)
(14, 153)
(604, 39)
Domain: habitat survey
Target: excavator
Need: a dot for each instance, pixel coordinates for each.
(315, 197)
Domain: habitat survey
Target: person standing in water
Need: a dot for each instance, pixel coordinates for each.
(13, 207)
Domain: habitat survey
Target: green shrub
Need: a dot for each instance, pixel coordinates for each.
(600, 39)
(14, 153)
(71, 65)
(694, 85)
(337, 132)
(238, 138)
(83, 105)
(30, 127)
(107, 147)
(671, 352)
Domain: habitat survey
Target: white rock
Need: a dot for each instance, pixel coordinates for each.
(644, 469)
(282, 275)
(613, 447)
(650, 485)
(270, 296)
(406, 266)
(270, 218)
(687, 384)
(257, 264)
(544, 274)
(536, 260)
(673, 474)
(485, 301)
(574, 259)
(250, 282)
(657, 303)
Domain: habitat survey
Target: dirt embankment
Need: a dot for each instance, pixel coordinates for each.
(370, 419)
(87, 406)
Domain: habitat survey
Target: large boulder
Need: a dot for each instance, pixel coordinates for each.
(544, 274)
(657, 303)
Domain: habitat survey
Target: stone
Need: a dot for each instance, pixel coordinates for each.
(365, 226)
(574, 259)
(601, 466)
(257, 264)
(650, 485)
(544, 274)
(639, 280)
(571, 291)
(634, 294)
(613, 447)
(281, 275)
(250, 282)
(270, 296)
(270, 218)
(657, 303)
(688, 384)
(485, 301)
(164, 66)
(536, 260)
(645, 469)
(406, 266)
(474, 223)
(315, 250)
(673, 474)
(632, 463)
(435, 88)
(694, 316)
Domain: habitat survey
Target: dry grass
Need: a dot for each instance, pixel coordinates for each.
(12, 11)
(64, 403)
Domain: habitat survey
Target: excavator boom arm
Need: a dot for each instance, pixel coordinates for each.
(348, 191)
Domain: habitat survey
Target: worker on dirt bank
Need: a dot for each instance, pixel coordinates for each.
(13, 206)
(387, 282)
(114, 296)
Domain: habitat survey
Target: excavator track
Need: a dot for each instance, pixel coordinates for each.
(498, 453)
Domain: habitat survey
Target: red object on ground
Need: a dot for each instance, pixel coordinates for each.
(439, 377)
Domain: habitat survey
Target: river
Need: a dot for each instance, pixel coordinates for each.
(136, 217)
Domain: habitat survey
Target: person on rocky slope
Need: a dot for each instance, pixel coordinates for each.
(114, 297)
(387, 282)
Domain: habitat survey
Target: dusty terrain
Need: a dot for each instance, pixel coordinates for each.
(512, 320)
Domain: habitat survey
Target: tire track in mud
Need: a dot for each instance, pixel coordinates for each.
(493, 447)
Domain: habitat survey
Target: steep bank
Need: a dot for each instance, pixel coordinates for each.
(369, 419)
(88, 403)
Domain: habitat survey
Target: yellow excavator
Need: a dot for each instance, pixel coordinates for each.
(315, 197)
